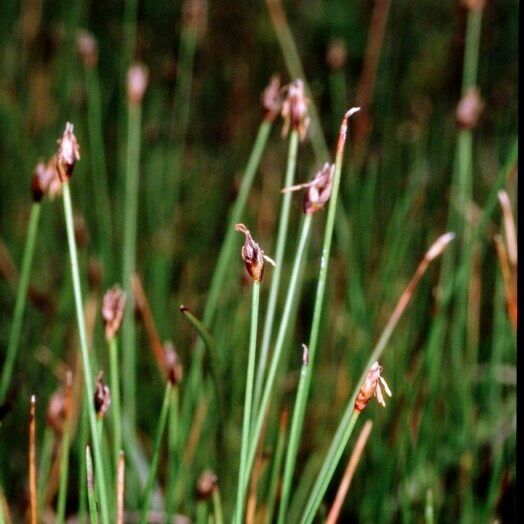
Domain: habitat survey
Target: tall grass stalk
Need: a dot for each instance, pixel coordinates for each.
(115, 400)
(258, 420)
(120, 484)
(129, 260)
(91, 496)
(248, 403)
(173, 453)
(86, 364)
(217, 507)
(283, 226)
(33, 499)
(349, 418)
(303, 391)
(162, 420)
(21, 295)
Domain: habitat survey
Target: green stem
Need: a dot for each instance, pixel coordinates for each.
(279, 344)
(201, 512)
(91, 497)
(46, 455)
(172, 460)
(129, 259)
(322, 482)
(305, 384)
(217, 507)
(148, 492)
(283, 226)
(115, 400)
(68, 211)
(248, 402)
(275, 471)
(21, 295)
(223, 266)
(83, 437)
(64, 473)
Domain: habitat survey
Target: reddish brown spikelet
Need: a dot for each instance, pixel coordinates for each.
(68, 153)
(206, 484)
(40, 182)
(371, 388)
(252, 254)
(56, 411)
(173, 365)
(337, 53)
(102, 396)
(295, 110)
(271, 99)
(87, 48)
(113, 310)
(469, 109)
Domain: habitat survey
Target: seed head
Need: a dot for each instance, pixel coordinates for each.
(371, 388)
(113, 310)
(172, 362)
(206, 484)
(87, 48)
(68, 153)
(474, 5)
(137, 79)
(318, 189)
(102, 396)
(294, 110)
(271, 99)
(194, 14)
(337, 53)
(253, 255)
(469, 109)
(42, 176)
(56, 411)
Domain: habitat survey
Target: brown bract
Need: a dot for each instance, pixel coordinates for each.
(295, 111)
(271, 99)
(102, 398)
(206, 484)
(113, 310)
(68, 153)
(173, 365)
(40, 182)
(252, 254)
(371, 388)
(56, 411)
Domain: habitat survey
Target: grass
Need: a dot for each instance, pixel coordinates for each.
(160, 185)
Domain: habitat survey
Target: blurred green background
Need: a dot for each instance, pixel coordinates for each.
(450, 427)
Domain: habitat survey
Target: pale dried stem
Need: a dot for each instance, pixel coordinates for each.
(33, 512)
(120, 489)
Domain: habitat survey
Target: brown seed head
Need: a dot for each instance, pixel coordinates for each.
(56, 411)
(137, 79)
(206, 484)
(40, 182)
(81, 231)
(337, 53)
(68, 153)
(271, 99)
(371, 388)
(95, 272)
(172, 362)
(474, 5)
(102, 396)
(252, 254)
(87, 48)
(194, 14)
(113, 310)
(469, 109)
(294, 110)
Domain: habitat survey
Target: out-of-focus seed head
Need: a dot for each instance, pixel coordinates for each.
(137, 79)
(172, 362)
(295, 110)
(474, 5)
(102, 396)
(113, 310)
(194, 15)
(40, 182)
(271, 99)
(56, 411)
(253, 255)
(81, 231)
(87, 48)
(95, 272)
(206, 484)
(371, 388)
(469, 109)
(68, 153)
(337, 53)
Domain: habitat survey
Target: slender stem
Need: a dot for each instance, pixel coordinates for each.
(115, 400)
(120, 483)
(277, 465)
(217, 507)
(99, 464)
(172, 460)
(44, 466)
(148, 492)
(91, 497)
(129, 259)
(33, 509)
(279, 344)
(21, 295)
(283, 226)
(201, 512)
(222, 267)
(248, 401)
(304, 386)
(83, 437)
